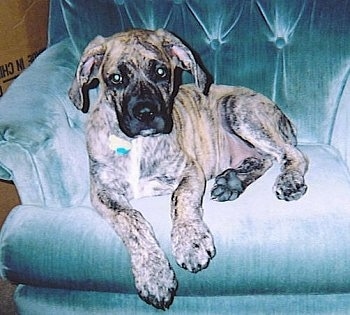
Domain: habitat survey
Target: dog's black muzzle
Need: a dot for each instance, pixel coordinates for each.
(146, 114)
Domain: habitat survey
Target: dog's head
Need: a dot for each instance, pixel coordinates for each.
(136, 71)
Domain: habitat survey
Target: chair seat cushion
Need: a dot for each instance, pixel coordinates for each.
(263, 245)
(32, 300)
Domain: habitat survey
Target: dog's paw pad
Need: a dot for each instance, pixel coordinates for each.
(290, 186)
(227, 186)
(193, 245)
(155, 282)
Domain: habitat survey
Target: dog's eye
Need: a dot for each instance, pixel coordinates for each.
(116, 78)
(162, 71)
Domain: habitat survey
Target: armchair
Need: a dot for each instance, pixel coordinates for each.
(273, 257)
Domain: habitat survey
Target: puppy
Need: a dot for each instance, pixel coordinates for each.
(148, 135)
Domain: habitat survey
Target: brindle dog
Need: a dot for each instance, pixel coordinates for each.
(148, 135)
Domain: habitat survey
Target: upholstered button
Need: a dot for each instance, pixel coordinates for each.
(215, 44)
(280, 42)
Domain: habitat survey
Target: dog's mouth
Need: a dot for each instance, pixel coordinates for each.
(148, 132)
(149, 125)
(133, 129)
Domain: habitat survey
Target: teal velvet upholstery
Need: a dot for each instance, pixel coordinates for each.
(273, 257)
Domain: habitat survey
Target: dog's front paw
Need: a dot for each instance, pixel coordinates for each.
(227, 186)
(290, 186)
(155, 280)
(193, 245)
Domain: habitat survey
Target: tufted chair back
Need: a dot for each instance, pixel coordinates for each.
(285, 57)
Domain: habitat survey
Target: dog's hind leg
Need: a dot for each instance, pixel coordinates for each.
(154, 278)
(258, 121)
(192, 242)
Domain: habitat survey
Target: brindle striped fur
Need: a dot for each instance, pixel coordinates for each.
(181, 136)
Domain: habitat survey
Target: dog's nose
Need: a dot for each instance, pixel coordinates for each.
(144, 111)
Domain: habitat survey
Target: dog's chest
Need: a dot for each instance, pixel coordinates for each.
(152, 166)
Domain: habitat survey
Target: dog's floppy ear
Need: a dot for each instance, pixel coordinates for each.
(184, 58)
(87, 71)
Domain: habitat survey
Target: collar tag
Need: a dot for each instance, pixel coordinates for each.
(119, 145)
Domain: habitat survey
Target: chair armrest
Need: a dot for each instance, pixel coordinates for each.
(42, 144)
(341, 128)
(63, 248)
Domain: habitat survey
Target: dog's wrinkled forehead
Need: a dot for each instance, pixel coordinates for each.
(136, 50)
